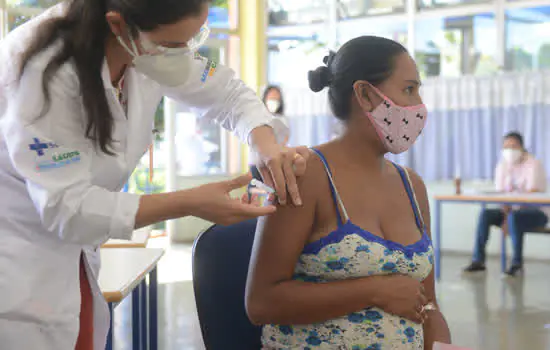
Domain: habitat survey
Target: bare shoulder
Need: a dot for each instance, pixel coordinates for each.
(421, 193)
(417, 181)
(536, 162)
(309, 182)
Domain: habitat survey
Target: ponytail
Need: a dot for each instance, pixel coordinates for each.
(82, 32)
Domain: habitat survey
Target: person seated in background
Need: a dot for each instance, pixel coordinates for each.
(352, 268)
(518, 171)
(273, 100)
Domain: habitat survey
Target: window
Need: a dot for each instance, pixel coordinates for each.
(423, 4)
(395, 29)
(15, 20)
(201, 146)
(284, 12)
(20, 11)
(528, 51)
(357, 8)
(289, 67)
(223, 14)
(43, 4)
(454, 46)
(293, 51)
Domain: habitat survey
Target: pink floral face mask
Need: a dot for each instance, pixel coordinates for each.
(398, 127)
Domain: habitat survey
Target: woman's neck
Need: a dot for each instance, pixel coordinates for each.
(117, 59)
(360, 150)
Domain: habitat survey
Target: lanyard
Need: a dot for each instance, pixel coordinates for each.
(121, 95)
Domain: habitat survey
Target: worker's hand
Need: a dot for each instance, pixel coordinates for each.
(213, 202)
(279, 167)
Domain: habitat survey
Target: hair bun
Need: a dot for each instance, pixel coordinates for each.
(319, 78)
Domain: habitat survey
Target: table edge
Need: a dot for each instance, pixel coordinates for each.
(130, 244)
(118, 296)
(489, 199)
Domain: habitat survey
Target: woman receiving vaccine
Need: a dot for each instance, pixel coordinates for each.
(353, 267)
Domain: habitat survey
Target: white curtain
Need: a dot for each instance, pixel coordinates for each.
(468, 117)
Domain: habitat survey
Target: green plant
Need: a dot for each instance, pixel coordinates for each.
(220, 3)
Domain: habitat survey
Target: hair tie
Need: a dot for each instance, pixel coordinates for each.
(329, 58)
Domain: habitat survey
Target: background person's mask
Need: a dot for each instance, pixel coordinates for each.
(511, 156)
(273, 105)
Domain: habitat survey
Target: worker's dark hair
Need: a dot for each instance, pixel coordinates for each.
(368, 58)
(517, 136)
(268, 89)
(83, 31)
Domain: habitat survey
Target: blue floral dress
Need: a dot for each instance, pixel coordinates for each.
(351, 252)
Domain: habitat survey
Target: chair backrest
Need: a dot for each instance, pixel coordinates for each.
(221, 256)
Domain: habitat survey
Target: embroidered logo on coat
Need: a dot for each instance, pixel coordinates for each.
(208, 70)
(59, 160)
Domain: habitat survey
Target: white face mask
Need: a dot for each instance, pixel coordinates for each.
(167, 66)
(273, 105)
(511, 156)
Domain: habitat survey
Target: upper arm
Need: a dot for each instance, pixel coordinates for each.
(280, 237)
(424, 204)
(537, 178)
(421, 193)
(214, 92)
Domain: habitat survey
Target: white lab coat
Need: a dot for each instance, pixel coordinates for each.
(60, 196)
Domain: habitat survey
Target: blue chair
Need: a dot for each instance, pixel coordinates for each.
(221, 256)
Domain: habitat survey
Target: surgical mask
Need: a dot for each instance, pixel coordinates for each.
(273, 105)
(167, 66)
(511, 156)
(398, 127)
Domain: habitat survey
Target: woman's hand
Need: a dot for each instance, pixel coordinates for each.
(213, 202)
(278, 164)
(403, 296)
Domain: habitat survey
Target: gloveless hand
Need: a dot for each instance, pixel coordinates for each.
(213, 202)
(403, 296)
(279, 167)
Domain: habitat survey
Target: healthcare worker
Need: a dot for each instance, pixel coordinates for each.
(80, 86)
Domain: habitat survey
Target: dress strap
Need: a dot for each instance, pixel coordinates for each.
(335, 195)
(412, 196)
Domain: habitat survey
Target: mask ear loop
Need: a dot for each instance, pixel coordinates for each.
(198, 40)
(134, 52)
(134, 46)
(363, 94)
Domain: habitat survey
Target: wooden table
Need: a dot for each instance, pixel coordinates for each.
(139, 239)
(123, 272)
(531, 199)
